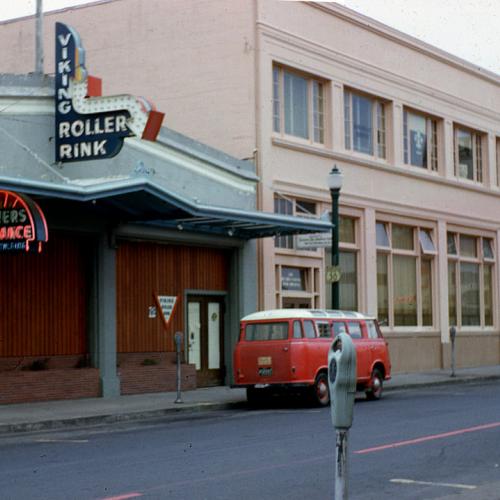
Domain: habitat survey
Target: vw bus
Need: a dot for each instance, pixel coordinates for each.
(288, 349)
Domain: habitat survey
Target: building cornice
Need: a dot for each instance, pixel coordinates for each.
(399, 37)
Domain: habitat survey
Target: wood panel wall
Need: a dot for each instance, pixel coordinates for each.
(147, 268)
(43, 300)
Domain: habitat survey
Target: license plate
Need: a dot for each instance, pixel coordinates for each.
(265, 372)
(264, 360)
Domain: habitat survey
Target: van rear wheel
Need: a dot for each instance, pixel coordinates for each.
(321, 391)
(376, 387)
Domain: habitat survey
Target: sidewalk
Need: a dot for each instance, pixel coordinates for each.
(29, 417)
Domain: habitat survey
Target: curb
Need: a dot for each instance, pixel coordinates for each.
(461, 379)
(97, 420)
(193, 408)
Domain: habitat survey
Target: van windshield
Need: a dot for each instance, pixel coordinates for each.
(266, 331)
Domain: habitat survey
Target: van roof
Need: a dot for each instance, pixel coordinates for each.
(304, 313)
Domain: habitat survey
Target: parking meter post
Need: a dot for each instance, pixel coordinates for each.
(178, 342)
(341, 465)
(453, 333)
(342, 382)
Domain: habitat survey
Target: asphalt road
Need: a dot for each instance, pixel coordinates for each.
(414, 444)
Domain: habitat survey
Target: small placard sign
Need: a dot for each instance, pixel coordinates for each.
(166, 304)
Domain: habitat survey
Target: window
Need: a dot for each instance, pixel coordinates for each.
(420, 140)
(309, 330)
(405, 256)
(468, 154)
(354, 329)
(338, 328)
(297, 330)
(372, 330)
(348, 262)
(296, 287)
(298, 105)
(365, 124)
(471, 261)
(323, 329)
(289, 206)
(266, 331)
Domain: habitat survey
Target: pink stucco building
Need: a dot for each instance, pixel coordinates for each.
(299, 87)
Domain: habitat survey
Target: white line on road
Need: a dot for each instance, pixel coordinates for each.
(428, 483)
(62, 440)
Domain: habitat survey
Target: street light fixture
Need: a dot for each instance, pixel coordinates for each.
(335, 179)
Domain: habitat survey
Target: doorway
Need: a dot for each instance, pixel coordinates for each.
(206, 339)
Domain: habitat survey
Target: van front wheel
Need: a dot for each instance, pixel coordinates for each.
(321, 391)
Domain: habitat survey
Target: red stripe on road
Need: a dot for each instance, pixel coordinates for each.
(124, 497)
(429, 438)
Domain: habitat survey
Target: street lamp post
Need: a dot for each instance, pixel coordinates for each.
(335, 178)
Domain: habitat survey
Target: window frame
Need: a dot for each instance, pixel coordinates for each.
(479, 166)
(420, 255)
(379, 134)
(432, 140)
(316, 115)
(482, 261)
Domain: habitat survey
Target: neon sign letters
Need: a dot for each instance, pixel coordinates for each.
(22, 223)
(89, 126)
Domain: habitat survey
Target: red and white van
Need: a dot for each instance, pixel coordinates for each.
(288, 349)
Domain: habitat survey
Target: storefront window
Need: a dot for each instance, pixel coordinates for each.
(382, 289)
(405, 290)
(470, 280)
(348, 262)
(404, 275)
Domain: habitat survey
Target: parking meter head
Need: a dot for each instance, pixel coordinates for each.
(342, 380)
(453, 332)
(178, 339)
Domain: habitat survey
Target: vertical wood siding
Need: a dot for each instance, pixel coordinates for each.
(43, 300)
(145, 268)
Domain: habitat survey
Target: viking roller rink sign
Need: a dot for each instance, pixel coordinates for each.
(90, 126)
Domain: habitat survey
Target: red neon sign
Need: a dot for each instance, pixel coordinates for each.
(22, 223)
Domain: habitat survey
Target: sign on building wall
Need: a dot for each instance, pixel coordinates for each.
(313, 241)
(22, 223)
(89, 126)
(166, 305)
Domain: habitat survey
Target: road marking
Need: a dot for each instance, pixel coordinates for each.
(62, 441)
(428, 438)
(428, 483)
(124, 497)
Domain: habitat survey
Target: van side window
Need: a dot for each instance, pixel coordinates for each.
(323, 329)
(372, 330)
(309, 331)
(354, 329)
(338, 327)
(297, 330)
(266, 331)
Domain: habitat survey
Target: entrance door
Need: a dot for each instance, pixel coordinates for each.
(206, 339)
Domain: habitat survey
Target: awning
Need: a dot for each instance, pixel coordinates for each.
(141, 201)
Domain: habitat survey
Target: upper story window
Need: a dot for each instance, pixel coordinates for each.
(298, 105)
(420, 142)
(365, 124)
(469, 154)
(289, 206)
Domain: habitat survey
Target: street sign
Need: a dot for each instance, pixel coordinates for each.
(333, 274)
(313, 241)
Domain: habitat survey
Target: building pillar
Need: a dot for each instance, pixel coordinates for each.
(243, 291)
(449, 145)
(104, 338)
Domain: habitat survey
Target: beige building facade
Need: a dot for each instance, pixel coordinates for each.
(299, 87)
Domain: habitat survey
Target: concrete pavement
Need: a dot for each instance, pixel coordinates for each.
(30, 417)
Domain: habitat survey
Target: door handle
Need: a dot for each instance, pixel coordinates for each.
(285, 349)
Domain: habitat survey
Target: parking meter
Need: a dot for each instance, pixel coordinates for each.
(342, 380)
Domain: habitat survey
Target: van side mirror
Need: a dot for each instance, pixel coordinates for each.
(342, 380)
